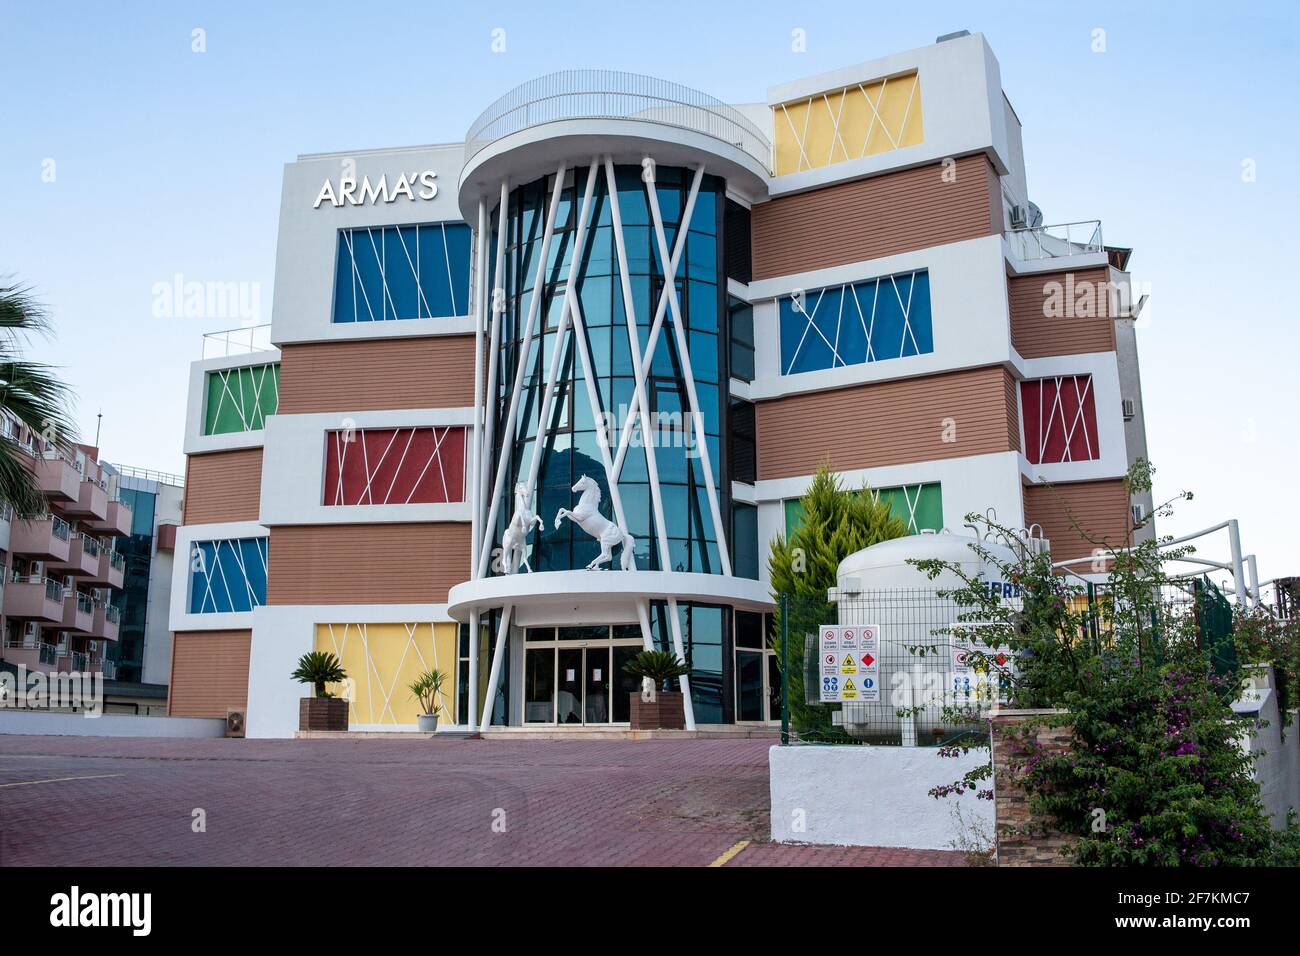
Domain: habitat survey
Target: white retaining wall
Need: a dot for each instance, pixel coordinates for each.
(872, 796)
(47, 724)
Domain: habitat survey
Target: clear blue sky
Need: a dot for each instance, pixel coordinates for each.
(168, 161)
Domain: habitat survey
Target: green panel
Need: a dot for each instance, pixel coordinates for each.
(239, 399)
(920, 505)
(793, 515)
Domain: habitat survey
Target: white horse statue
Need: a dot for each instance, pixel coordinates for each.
(587, 516)
(514, 542)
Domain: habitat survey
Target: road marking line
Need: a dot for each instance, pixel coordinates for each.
(28, 783)
(722, 860)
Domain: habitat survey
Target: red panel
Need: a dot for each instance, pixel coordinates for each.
(1060, 419)
(393, 466)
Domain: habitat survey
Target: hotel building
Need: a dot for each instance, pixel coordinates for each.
(624, 311)
(85, 583)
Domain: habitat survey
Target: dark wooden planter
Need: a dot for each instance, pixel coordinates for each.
(663, 713)
(323, 713)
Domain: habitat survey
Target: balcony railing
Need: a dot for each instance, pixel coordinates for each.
(53, 589)
(47, 654)
(90, 546)
(614, 95)
(108, 669)
(85, 603)
(79, 660)
(117, 561)
(1053, 242)
(241, 341)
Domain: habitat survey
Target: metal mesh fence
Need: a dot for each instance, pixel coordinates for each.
(934, 670)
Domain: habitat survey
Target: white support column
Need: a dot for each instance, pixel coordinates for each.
(684, 354)
(480, 313)
(494, 678)
(641, 404)
(561, 334)
(494, 348)
(1238, 565)
(471, 704)
(510, 427)
(1253, 570)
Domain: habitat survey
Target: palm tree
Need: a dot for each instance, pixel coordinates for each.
(32, 394)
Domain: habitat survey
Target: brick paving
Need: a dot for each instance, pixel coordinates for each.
(397, 802)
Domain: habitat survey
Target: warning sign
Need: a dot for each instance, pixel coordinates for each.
(850, 665)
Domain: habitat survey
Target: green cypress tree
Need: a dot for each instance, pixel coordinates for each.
(836, 523)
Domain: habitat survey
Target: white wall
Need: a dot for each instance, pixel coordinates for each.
(45, 724)
(293, 474)
(962, 110)
(308, 238)
(871, 796)
(968, 308)
(283, 633)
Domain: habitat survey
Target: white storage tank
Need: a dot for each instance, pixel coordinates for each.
(877, 586)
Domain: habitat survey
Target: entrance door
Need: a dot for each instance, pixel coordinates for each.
(568, 696)
(574, 675)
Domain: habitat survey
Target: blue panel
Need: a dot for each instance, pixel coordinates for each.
(885, 318)
(402, 272)
(227, 575)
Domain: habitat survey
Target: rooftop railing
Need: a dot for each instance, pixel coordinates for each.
(614, 95)
(148, 474)
(241, 341)
(1053, 242)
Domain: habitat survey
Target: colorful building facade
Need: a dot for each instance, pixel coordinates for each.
(621, 325)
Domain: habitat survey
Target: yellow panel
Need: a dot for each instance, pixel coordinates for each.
(848, 123)
(381, 661)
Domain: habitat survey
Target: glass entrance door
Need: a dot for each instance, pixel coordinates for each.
(575, 675)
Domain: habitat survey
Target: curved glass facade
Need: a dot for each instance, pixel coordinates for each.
(571, 449)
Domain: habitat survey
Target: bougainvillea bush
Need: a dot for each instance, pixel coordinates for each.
(1157, 774)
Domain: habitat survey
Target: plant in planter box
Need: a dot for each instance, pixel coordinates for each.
(323, 711)
(656, 708)
(426, 689)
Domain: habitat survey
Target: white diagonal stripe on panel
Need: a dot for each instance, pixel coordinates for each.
(683, 348)
(511, 423)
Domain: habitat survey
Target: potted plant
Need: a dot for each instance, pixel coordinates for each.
(426, 689)
(324, 711)
(654, 708)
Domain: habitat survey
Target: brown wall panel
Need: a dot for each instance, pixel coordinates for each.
(367, 563)
(889, 423)
(879, 216)
(1035, 334)
(223, 486)
(426, 372)
(1100, 507)
(209, 673)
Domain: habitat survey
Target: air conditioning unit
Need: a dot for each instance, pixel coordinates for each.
(1019, 216)
(31, 630)
(1130, 409)
(235, 721)
(1139, 515)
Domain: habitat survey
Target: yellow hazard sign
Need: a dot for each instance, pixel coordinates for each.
(848, 665)
(849, 691)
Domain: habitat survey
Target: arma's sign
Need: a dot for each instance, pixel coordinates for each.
(348, 192)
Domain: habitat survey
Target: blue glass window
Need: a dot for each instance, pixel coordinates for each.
(885, 318)
(402, 272)
(227, 575)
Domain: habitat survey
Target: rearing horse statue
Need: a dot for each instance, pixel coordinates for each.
(514, 542)
(587, 516)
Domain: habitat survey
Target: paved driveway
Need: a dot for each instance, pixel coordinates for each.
(86, 801)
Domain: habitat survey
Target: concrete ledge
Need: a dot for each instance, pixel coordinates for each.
(47, 724)
(872, 796)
